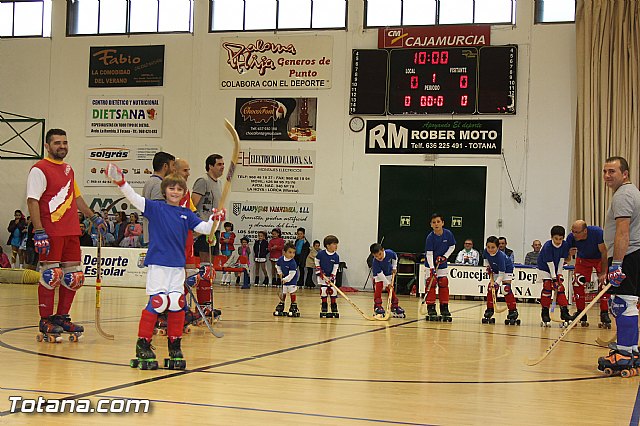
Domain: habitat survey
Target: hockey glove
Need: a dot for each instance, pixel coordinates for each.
(41, 242)
(218, 215)
(489, 271)
(615, 275)
(441, 259)
(559, 279)
(115, 173)
(99, 223)
(433, 272)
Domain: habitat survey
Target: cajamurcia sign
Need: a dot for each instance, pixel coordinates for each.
(276, 62)
(126, 66)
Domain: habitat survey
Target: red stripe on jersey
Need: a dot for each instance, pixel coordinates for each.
(58, 209)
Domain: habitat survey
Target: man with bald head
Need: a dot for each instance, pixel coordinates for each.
(588, 243)
(532, 257)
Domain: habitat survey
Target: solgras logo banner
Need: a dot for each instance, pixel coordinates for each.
(136, 161)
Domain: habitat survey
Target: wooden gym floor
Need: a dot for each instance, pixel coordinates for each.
(311, 371)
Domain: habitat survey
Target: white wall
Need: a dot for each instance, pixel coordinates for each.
(48, 78)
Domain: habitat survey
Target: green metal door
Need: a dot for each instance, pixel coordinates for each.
(409, 195)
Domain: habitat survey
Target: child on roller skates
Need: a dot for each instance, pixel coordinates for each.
(260, 253)
(499, 266)
(439, 246)
(168, 222)
(276, 244)
(327, 262)
(287, 269)
(384, 267)
(550, 265)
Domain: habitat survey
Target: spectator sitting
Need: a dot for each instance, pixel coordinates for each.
(83, 219)
(468, 255)
(502, 241)
(85, 238)
(119, 227)
(4, 259)
(532, 257)
(132, 232)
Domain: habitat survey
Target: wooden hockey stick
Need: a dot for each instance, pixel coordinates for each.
(605, 343)
(387, 313)
(365, 316)
(422, 308)
(493, 295)
(101, 332)
(533, 362)
(216, 333)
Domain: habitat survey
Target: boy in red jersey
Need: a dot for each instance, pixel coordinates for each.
(53, 199)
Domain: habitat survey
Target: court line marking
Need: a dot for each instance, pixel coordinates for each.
(635, 414)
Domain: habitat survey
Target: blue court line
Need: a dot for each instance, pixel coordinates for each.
(635, 415)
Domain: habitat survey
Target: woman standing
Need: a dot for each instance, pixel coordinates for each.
(17, 228)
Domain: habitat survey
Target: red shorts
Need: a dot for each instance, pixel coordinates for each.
(586, 266)
(63, 249)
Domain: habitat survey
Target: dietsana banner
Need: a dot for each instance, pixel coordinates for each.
(276, 119)
(469, 137)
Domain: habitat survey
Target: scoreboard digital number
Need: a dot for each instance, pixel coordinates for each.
(437, 81)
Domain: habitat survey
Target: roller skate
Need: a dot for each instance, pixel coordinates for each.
(378, 312)
(619, 362)
(398, 312)
(145, 357)
(211, 312)
(512, 318)
(75, 330)
(583, 320)
(293, 310)
(546, 318)
(323, 310)
(565, 316)
(488, 316)
(279, 311)
(161, 325)
(444, 311)
(256, 282)
(334, 310)
(432, 314)
(49, 331)
(265, 282)
(176, 359)
(605, 321)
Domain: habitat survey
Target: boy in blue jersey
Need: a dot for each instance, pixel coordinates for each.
(384, 267)
(169, 224)
(327, 262)
(439, 246)
(550, 265)
(287, 269)
(501, 267)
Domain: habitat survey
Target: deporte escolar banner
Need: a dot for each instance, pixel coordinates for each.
(469, 137)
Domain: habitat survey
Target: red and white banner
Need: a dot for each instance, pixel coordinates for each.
(434, 36)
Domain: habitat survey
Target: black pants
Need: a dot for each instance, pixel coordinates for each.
(631, 268)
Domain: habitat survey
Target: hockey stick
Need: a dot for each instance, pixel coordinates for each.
(533, 362)
(422, 308)
(387, 313)
(605, 343)
(493, 295)
(365, 316)
(216, 333)
(101, 332)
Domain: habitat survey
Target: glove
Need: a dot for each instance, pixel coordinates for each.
(41, 242)
(489, 271)
(332, 278)
(115, 173)
(615, 275)
(218, 215)
(441, 259)
(99, 223)
(433, 272)
(559, 279)
(212, 240)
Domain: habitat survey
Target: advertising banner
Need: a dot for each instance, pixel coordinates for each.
(274, 62)
(130, 116)
(276, 119)
(126, 66)
(275, 171)
(434, 36)
(249, 217)
(121, 267)
(471, 137)
(135, 161)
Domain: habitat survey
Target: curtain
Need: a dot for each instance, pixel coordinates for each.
(607, 122)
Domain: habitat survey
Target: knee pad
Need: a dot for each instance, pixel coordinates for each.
(623, 306)
(579, 280)
(73, 277)
(51, 276)
(507, 289)
(193, 277)
(323, 290)
(560, 288)
(158, 303)
(206, 271)
(443, 282)
(177, 301)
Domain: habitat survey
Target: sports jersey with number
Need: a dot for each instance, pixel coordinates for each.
(328, 262)
(53, 184)
(288, 269)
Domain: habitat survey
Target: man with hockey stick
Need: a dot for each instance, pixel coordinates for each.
(622, 238)
(53, 199)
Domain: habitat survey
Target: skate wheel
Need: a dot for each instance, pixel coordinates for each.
(600, 325)
(39, 337)
(187, 330)
(507, 322)
(584, 324)
(608, 371)
(518, 322)
(492, 320)
(133, 363)
(626, 373)
(73, 338)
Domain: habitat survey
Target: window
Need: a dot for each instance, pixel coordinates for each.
(255, 15)
(25, 18)
(382, 13)
(555, 11)
(86, 17)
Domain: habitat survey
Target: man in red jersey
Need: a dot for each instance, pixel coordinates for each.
(53, 199)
